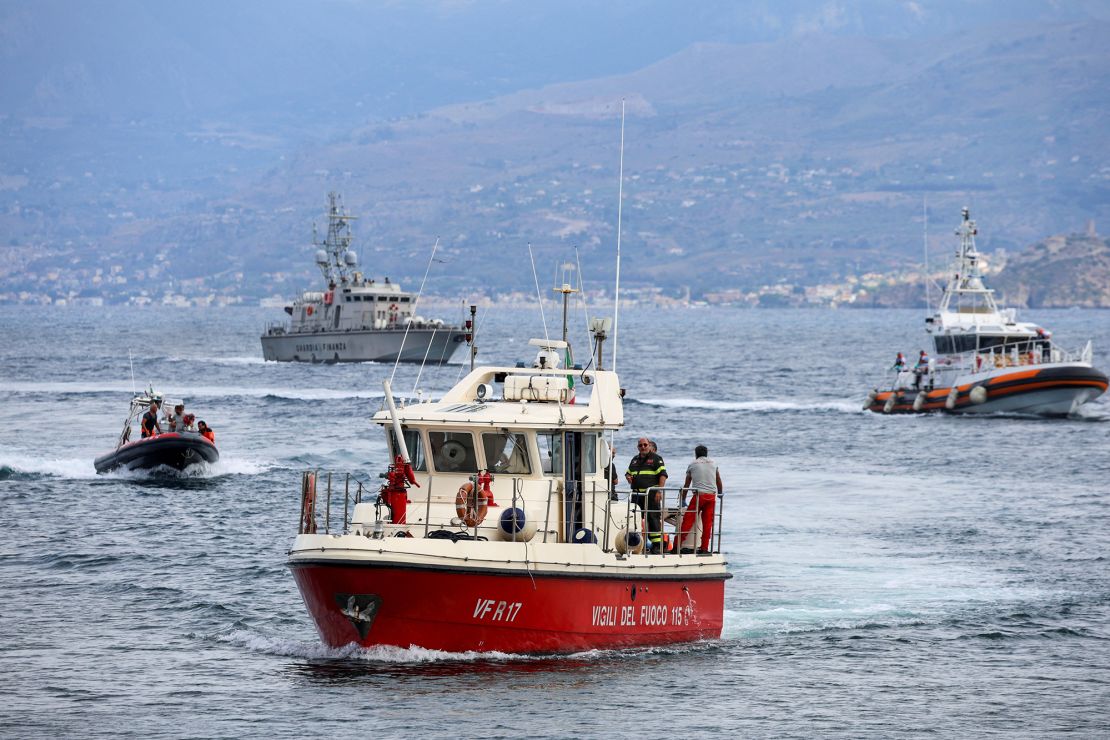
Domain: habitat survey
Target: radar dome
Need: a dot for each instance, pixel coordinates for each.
(350, 258)
(321, 257)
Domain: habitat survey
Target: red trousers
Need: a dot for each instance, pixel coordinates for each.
(702, 505)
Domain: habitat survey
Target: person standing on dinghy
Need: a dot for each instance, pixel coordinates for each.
(150, 425)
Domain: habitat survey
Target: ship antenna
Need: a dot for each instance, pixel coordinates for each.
(928, 278)
(617, 290)
(585, 303)
(620, 203)
(131, 361)
(409, 323)
(539, 296)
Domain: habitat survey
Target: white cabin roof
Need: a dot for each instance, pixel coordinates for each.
(597, 402)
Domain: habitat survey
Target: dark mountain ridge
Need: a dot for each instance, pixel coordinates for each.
(802, 159)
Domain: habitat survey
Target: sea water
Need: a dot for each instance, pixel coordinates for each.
(892, 575)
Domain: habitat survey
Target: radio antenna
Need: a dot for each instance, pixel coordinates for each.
(928, 278)
(539, 295)
(620, 203)
(412, 316)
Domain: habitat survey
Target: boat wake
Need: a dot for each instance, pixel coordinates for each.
(16, 466)
(846, 406)
(191, 392)
(247, 360)
(314, 650)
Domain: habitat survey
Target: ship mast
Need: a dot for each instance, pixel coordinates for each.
(965, 284)
(567, 291)
(334, 257)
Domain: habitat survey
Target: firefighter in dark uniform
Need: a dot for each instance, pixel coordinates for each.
(646, 470)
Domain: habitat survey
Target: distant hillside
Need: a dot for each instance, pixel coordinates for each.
(801, 159)
(1061, 271)
(1058, 272)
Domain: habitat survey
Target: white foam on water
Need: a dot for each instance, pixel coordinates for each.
(240, 466)
(379, 654)
(76, 468)
(250, 360)
(71, 468)
(823, 548)
(190, 392)
(841, 406)
(271, 645)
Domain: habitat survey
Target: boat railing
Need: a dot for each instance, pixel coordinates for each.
(675, 515)
(1017, 354)
(585, 505)
(275, 328)
(353, 491)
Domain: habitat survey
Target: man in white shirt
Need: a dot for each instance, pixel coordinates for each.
(703, 481)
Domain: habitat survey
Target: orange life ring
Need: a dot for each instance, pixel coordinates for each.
(328, 298)
(468, 507)
(309, 310)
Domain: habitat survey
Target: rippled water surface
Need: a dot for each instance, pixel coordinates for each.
(893, 575)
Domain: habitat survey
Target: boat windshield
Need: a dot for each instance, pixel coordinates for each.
(952, 345)
(415, 444)
(506, 452)
(453, 452)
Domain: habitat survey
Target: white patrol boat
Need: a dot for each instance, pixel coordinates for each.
(498, 529)
(355, 319)
(987, 361)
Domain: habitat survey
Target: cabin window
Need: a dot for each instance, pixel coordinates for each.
(404, 299)
(453, 452)
(506, 452)
(980, 342)
(415, 443)
(551, 453)
(589, 454)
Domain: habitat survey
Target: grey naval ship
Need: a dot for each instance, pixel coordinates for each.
(355, 319)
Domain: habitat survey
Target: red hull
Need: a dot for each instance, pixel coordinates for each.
(472, 610)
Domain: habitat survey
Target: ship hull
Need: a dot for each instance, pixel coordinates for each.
(166, 450)
(380, 345)
(483, 609)
(1057, 390)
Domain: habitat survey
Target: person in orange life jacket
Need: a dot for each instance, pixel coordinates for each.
(149, 425)
(647, 471)
(703, 480)
(206, 432)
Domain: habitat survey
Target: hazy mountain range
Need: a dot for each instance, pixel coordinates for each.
(190, 147)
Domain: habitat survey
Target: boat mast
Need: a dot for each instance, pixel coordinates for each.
(620, 203)
(335, 258)
(925, 239)
(567, 291)
(967, 277)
